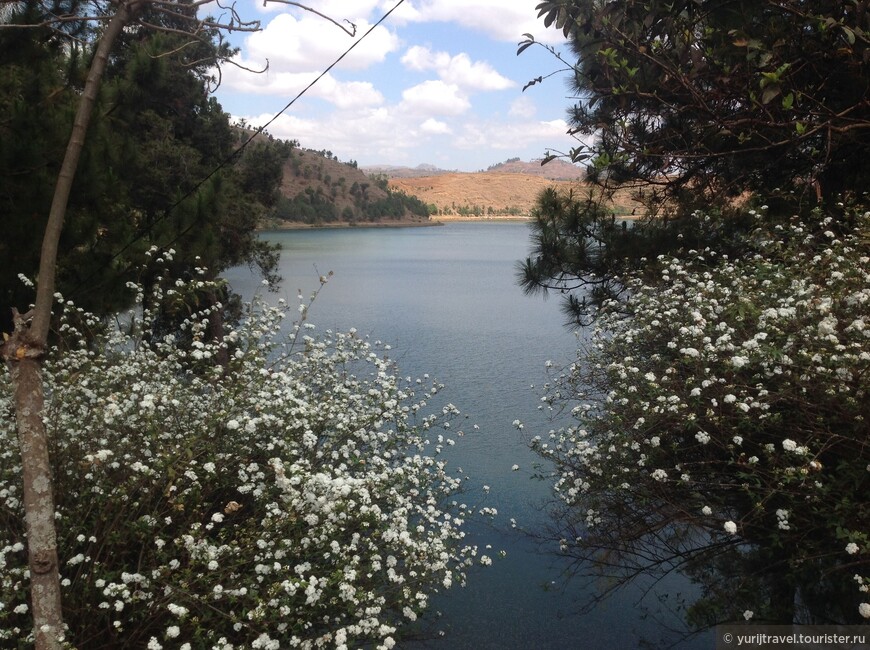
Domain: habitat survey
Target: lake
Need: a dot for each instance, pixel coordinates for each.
(446, 299)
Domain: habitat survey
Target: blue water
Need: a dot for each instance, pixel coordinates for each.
(446, 299)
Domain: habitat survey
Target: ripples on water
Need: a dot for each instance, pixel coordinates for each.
(446, 300)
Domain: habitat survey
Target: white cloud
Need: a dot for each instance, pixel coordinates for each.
(434, 98)
(376, 135)
(342, 94)
(458, 70)
(503, 20)
(523, 107)
(350, 94)
(511, 136)
(292, 44)
(435, 127)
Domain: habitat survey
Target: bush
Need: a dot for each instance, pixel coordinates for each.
(287, 497)
(722, 425)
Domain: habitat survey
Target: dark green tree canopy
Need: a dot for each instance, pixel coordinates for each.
(721, 97)
(157, 169)
(701, 104)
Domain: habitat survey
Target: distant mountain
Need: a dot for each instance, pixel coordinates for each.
(396, 171)
(556, 169)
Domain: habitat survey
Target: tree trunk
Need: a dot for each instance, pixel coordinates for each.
(24, 352)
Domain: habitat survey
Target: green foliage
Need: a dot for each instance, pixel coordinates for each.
(579, 246)
(395, 205)
(718, 98)
(147, 174)
(310, 206)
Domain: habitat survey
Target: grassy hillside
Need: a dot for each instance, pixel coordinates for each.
(488, 194)
(318, 189)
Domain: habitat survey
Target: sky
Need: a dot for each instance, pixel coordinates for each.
(438, 82)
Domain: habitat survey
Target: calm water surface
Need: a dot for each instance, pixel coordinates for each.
(446, 299)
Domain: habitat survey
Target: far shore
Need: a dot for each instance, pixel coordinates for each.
(440, 220)
(298, 225)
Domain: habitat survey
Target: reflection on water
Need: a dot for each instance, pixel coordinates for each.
(447, 302)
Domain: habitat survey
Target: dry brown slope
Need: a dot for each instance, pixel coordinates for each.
(499, 191)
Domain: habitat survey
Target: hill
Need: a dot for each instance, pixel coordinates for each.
(479, 194)
(397, 171)
(488, 194)
(318, 189)
(556, 169)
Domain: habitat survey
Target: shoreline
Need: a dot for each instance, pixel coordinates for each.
(347, 225)
(440, 221)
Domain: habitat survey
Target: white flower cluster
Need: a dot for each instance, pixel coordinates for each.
(750, 380)
(285, 498)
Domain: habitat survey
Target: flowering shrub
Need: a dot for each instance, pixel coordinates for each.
(722, 429)
(287, 497)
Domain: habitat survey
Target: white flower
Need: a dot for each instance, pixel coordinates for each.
(748, 614)
(789, 445)
(851, 548)
(173, 631)
(706, 510)
(730, 527)
(739, 362)
(660, 475)
(828, 326)
(232, 425)
(515, 468)
(864, 610)
(177, 610)
(702, 437)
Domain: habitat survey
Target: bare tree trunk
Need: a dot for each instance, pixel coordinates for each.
(24, 352)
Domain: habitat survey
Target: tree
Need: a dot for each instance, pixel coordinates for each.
(716, 98)
(720, 407)
(24, 350)
(156, 169)
(702, 104)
